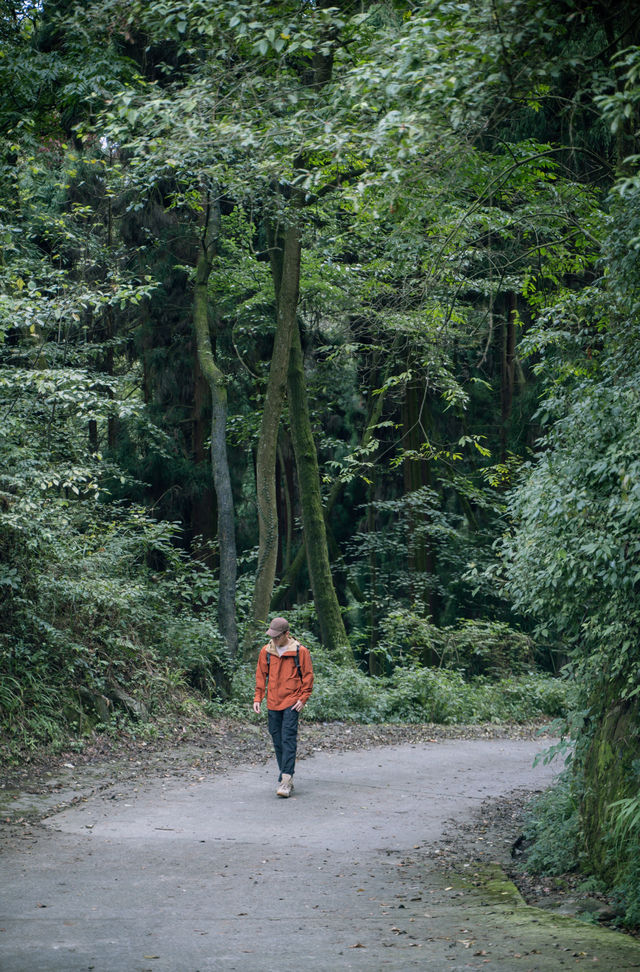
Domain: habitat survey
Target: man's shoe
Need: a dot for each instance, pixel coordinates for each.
(286, 786)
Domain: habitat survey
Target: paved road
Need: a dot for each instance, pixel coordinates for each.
(219, 874)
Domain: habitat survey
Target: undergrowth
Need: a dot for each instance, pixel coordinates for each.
(107, 626)
(555, 846)
(552, 830)
(102, 625)
(413, 693)
(410, 694)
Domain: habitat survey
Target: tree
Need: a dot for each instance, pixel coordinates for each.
(302, 74)
(219, 458)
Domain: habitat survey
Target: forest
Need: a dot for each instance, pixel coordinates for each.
(331, 310)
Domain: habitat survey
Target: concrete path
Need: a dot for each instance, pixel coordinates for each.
(220, 874)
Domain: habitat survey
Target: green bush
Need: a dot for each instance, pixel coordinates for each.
(441, 695)
(409, 636)
(487, 648)
(623, 848)
(557, 845)
(474, 647)
(414, 693)
(626, 892)
(553, 829)
(429, 695)
(91, 631)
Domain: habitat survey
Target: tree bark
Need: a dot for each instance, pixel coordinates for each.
(285, 262)
(332, 630)
(508, 370)
(374, 667)
(421, 556)
(203, 512)
(285, 253)
(289, 579)
(219, 458)
(285, 501)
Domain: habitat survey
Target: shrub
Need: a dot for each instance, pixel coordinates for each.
(475, 647)
(553, 829)
(487, 648)
(626, 892)
(414, 693)
(90, 630)
(408, 636)
(623, 847)
(429, 695)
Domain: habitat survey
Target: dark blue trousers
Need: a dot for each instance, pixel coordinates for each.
(283, 726)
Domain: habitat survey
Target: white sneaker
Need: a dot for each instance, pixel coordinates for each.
(286, 786)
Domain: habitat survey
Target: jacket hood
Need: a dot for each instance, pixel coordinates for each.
(290, 647)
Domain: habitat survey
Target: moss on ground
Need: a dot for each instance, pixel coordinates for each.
(547, 939)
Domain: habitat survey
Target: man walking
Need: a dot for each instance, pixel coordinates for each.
(284, 671)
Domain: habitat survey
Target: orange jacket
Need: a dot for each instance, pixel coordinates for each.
(285, 686)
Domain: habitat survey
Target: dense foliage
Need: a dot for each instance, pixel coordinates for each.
(328, 310)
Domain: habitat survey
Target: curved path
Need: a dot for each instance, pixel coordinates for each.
(219, 874)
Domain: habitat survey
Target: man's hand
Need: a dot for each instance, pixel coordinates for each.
(298, 706)
(256, 707)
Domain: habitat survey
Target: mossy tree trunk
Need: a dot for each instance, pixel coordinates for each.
(204, 506)
(332, 630)
(416, 421)
(285, 261)
(289, 579)
(508, 370)
(609, 774)
(285, 501)
(219, 458)
(285, 248)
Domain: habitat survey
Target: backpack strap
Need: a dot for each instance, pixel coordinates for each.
(298, 667)
(298, 660)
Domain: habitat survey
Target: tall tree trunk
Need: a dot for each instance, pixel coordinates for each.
(285, 261)
(285, 501)
(295, 567)
(285, 253)
(203, 504)
(332, 630)
(374, 661)
(112, 423)
(421, 556)
(508, 369)
(219, 458)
